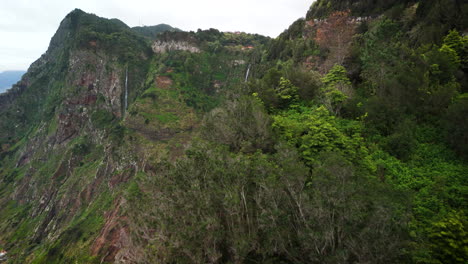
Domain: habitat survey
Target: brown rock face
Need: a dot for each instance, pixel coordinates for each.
(163, 82)
(334, 34)
(97, 74)
(91, 76)
(113, 237)
(68, 127)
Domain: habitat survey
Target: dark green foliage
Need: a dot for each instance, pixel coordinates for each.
(82, 147)
(422, 82)
(102, 118)
(295, 30)
(242, 125)
(438, 17)
(456, 125)
(449, 238)
(382, 60)
(348, 202)
(280, 87)
(209, 35)
(110, 36)
(291, 44)
(268, 209)
(308, 83)
(402, 142)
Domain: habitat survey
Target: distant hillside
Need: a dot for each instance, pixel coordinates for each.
(153, 31)
(8, 78)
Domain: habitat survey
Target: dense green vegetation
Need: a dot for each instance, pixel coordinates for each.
(346, 143)
(367, 155)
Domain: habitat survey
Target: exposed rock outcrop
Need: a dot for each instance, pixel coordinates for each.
(165, 46)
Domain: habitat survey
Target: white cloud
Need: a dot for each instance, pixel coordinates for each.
(26, 26)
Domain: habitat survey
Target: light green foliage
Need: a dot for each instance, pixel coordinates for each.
(451, 54)
(459, 44)
(336, 89)
(314, 130)
(336, 76)
(449, 238)
(437, 183)
(241, 124)
(455, 41)
(286, 91)
(167, 118)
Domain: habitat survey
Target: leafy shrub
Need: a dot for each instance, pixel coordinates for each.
(241, 124)
(401, 143)
(314, 130)
(102, 118)
(449, 238)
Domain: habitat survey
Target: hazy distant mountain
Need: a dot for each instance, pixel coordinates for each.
(8, 78)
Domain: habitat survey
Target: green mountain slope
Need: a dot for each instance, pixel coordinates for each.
(341, 141)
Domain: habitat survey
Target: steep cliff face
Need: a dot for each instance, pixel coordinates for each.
(97, 110)
(58, 124)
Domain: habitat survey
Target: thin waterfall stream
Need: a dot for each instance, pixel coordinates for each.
(126, 90)
(247, 73)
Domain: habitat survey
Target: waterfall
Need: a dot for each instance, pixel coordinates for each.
(126, 89)
(247, 73)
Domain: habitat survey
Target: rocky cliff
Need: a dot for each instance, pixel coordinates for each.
(98, 109)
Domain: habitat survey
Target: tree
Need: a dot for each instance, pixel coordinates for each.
(378, 56)
(314, 130)
(242, 125)
(286, 92)
(337, 89)
(459, 44)
(449, 238)
(354, 218)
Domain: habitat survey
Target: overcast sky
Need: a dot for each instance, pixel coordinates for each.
(26, 26)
